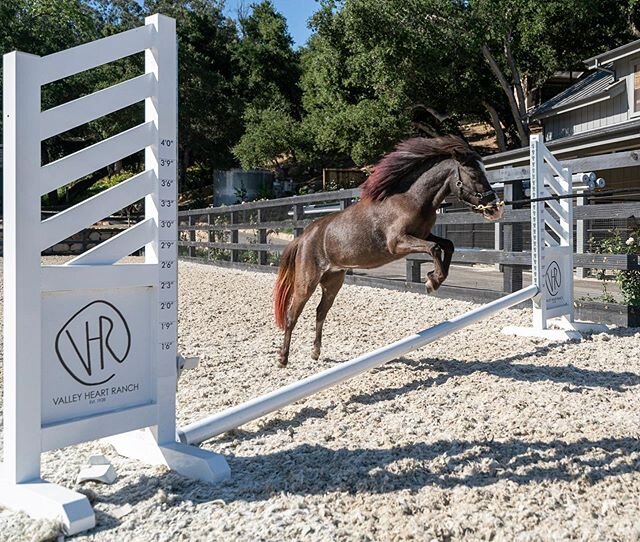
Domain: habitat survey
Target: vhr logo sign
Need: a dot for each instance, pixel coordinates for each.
(553, 278)
(93, 343)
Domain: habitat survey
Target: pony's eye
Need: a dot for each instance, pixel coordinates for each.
(459, 183)
(478, 195)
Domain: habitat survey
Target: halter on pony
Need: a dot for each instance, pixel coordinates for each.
(485, 200)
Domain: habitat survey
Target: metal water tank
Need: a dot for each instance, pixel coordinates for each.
(233, 185)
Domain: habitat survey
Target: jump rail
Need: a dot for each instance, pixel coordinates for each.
(198, 432)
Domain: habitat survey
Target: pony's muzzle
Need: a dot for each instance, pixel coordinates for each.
(492, 211)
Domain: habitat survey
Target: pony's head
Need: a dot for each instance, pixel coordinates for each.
(470, 184)
(400, 169)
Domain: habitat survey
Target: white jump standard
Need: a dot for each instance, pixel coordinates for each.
(90, 346)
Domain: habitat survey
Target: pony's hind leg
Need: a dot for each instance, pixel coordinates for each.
(306, 282)
(331, 283)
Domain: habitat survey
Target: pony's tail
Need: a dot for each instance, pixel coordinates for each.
(283, 289)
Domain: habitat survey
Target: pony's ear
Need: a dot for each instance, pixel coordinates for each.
(459, 148)
(460, 154)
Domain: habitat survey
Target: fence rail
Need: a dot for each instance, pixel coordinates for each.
(256, 233)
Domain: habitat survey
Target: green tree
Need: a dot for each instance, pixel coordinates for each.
(524, 41)
(210, 104)
(210, 107)
(377, 70)
(268, 67)
(41, 27)
(268, 82)
(374, 71)
(271, 136)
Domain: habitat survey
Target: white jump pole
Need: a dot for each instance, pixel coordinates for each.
(231, 418)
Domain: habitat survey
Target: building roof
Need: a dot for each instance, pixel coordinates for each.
(613, 55)
(597, 86)
(612, 138)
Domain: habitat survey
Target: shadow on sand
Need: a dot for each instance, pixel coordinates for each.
(576, 380)
(308, 469)
(316, 470)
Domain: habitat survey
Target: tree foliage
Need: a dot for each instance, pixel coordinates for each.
(271, 136)
(268, 67)
(210, 103)
(525, 41)
(210, 108)
(373, 72)
(268, 76)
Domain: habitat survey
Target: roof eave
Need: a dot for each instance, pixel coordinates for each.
(612, 56)
(612, 90)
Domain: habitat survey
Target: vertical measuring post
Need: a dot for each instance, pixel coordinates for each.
(537, 230)
(161, 60)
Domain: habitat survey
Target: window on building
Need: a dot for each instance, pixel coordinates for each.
(636, 88)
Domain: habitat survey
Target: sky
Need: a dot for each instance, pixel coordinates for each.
(297, 12)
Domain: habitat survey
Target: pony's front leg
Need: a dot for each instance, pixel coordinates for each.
(441, 272)
(409, 244)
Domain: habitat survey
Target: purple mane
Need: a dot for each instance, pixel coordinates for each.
(400, 168)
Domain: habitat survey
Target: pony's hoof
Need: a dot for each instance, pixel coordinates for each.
(315, 355)
(430, 286)
(282, 361)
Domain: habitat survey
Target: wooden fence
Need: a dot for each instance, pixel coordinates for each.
(254, 234)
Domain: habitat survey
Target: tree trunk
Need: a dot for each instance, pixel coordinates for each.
(517, 80)
(83, 185)
(522, 131)
(495, 121)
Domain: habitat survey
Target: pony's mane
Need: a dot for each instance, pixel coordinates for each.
(399, 169)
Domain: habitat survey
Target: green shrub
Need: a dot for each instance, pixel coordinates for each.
(628, 281)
